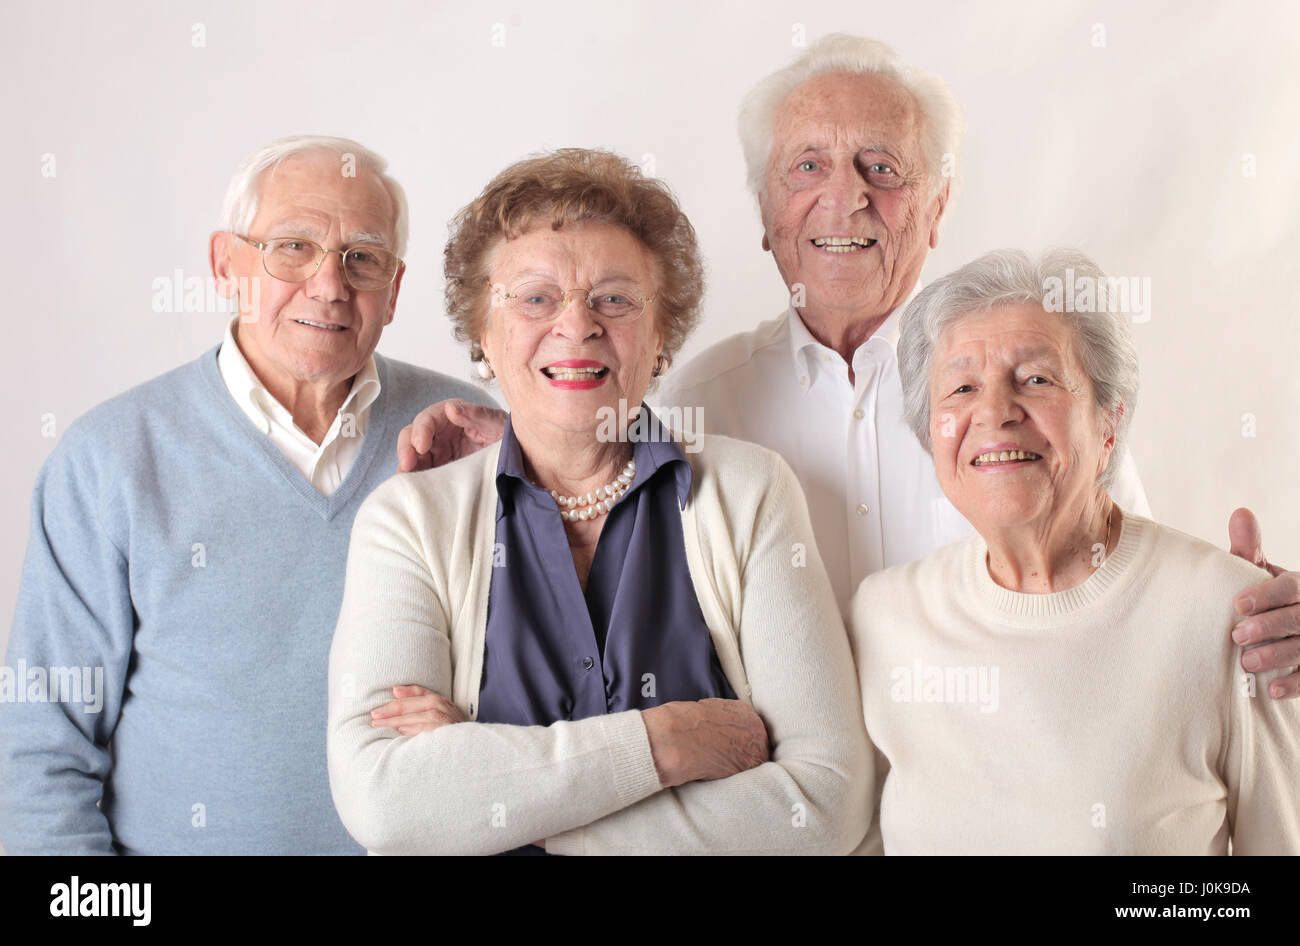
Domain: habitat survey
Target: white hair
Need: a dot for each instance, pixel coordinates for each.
(942, 121)
(239, 208)
(1012, 277)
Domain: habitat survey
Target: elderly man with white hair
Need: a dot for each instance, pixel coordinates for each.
(189, 541)
(851, 155)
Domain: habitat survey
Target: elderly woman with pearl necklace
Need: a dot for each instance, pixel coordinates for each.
(574, 643)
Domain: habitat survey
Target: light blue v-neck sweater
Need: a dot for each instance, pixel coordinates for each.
(177, 558)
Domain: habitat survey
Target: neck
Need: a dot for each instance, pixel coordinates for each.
(572, 464)
(314, 407)
(844, 330)
(1057, 554)
(313, 404)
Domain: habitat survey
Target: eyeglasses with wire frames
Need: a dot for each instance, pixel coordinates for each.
(366, 267)
(542, 301)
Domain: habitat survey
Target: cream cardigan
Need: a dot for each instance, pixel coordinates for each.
(415, 611)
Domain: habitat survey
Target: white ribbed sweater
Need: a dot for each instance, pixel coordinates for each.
(415, 610)
(1120, 722)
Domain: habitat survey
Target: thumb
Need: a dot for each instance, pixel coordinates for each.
(1244, 537)
(482, 424)
(462, 414)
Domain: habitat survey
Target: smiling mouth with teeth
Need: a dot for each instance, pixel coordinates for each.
(842, 244)
(574, 374)
(324, 325)
(1004, 456)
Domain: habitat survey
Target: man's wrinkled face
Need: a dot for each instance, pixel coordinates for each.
(321, 330)
(849, 211)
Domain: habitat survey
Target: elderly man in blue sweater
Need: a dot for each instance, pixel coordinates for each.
(189, 539)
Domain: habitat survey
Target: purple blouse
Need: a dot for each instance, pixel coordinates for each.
(635, 639)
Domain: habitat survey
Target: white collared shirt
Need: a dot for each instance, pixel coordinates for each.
(324, 465)
(871, 488)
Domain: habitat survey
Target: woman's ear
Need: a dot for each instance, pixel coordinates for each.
(1114, 417)
(1111, 420)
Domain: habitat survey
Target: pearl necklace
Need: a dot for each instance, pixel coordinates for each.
(582, 508)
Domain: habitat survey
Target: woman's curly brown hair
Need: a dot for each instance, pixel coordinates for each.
(567, 186)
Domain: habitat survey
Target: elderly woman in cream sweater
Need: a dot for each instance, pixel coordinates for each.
(1060, 682)
(586, 639)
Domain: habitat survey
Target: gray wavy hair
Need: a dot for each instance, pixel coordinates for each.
(1012, 277)
(942, 121)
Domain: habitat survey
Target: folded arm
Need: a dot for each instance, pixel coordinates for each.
(466, 788)
(814, 796)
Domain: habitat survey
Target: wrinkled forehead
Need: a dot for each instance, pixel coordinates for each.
(318, 189)
(1006, 334)
(589, 248)
(843, 109)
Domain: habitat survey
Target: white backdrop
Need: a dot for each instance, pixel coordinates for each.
(1158, 137)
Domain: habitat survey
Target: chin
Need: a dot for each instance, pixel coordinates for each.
(849, 294)
(322, 368)
(575, 417)
(1007, 511)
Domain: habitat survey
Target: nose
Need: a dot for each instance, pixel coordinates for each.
(845, 189)
(996, 407)
(329, 284)
(575, 321)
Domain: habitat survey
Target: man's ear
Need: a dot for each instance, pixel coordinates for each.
(943, 205)
(762, 219)
(397, 286)
(219, 247)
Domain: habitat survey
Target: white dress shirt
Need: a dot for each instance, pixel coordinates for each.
(324, 465)
(871, 488)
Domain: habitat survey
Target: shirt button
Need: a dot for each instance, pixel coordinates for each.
(859, 413)
(804, 382)
(862, 510)
(588, 663)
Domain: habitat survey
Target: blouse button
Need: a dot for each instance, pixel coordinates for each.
(588, 663)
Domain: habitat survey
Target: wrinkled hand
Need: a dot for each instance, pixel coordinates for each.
(706, 739)
(447, 431)
(1272, 610)
(417, 710)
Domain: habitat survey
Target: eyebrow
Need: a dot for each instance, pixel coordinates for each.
(290, 229)
(356, 238)
(536, 274)
(869, 146)
(376, 239)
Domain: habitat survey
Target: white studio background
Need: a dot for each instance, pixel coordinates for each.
(1166, 150)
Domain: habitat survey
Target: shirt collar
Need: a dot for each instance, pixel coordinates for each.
(657, 450)
(806, 350)
(257, 401)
